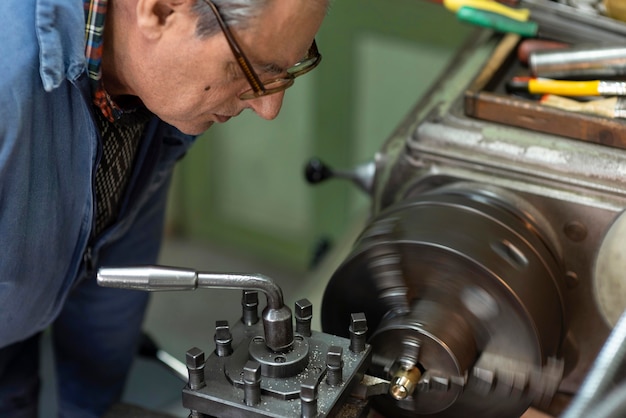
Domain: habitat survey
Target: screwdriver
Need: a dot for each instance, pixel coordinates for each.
(567, 87)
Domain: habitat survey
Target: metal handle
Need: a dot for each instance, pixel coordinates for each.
(277, 319)
(316, 171)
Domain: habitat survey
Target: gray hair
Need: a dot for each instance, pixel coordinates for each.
(236, 13)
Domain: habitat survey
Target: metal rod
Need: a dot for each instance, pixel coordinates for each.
(159, 278)
(603, 370)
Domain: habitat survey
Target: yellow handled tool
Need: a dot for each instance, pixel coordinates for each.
(489, 6)
(577, 88)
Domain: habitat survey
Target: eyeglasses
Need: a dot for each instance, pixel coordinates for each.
(263, 88)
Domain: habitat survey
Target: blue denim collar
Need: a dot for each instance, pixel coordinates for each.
(61, 56)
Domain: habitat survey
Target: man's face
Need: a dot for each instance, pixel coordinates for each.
(192, 82)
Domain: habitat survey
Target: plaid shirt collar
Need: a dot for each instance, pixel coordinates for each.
(95, 14)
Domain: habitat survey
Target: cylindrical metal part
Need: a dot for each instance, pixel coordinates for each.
(280, 364)
(334, 365)
(599, 61)
(278, 327)
(250, 305)
(252, 383)
(612, 88)
(223, 339)
(304, 315)
(152, 278)
(358, 332)
(195, 368)
(404, 382)
(244, 281)
(405, 373)
(308, 399)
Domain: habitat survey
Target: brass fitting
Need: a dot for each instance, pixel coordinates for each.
(404, 382)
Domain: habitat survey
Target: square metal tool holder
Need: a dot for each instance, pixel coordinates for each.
(223, 394)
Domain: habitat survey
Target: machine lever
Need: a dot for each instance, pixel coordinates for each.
(277, 319)
(158, 278)
(362, 175)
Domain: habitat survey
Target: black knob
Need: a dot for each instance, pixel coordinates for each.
(316, 171)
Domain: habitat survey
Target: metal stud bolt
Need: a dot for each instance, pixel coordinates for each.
(308, 398)
(304, 315)
(195, 368)
(358, 332)
(223, 339)
(334, 365)
(250, 304)
(252, 383)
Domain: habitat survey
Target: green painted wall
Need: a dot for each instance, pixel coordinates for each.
(242, 184)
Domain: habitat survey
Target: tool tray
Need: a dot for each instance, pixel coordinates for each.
(486, 98)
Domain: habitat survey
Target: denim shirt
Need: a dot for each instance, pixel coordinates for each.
(49, 148)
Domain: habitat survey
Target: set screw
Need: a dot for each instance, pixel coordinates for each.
(195, 367)
(304, 315)
(223, 339)
(358, 332)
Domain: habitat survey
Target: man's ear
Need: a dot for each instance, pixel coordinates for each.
(154, 16)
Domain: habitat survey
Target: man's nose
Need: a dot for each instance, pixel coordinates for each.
(269, 106)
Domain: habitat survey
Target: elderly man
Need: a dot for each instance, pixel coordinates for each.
(99, 99)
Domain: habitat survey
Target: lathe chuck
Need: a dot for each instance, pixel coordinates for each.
(461, 288)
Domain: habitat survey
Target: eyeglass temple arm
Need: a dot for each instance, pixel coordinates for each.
(245, 65)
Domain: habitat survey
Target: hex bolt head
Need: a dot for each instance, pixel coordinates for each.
(304, 315)
(358, 331)
(195, 367)
(223, 339)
